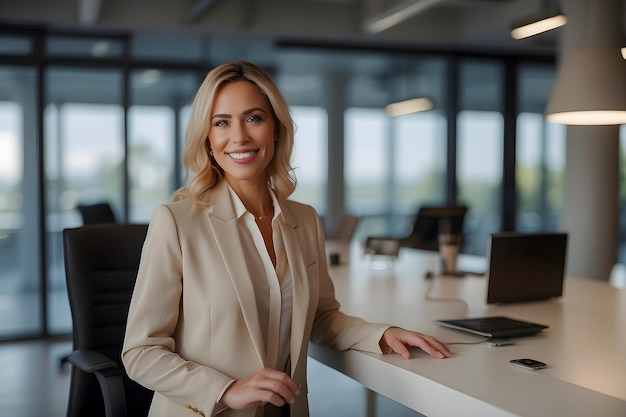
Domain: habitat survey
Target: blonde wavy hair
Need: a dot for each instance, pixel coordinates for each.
(206, 173)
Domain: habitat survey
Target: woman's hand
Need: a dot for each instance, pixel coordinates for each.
(264, 386)
(399, 340)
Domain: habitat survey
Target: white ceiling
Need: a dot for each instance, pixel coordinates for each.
(445, 25)
(481, 25)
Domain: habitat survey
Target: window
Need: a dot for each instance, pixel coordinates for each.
(84, 163)
(480, 151)
(15, 45)
(367, 167)
(168, 48)
(20, 289)
(150, 159)
(86, 47)
(540, 154)
(156, 127)
(310, 156)
(419, 166)
(480, 175)
(540, 164)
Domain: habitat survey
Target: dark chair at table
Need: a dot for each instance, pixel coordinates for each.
(96, 213)
(344, 227)
(101, 263)
(431, 222)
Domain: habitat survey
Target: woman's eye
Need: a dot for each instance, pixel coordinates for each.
(254, 118)
(221, 123)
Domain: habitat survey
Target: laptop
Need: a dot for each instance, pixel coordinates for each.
(494, 327)
(525, 266)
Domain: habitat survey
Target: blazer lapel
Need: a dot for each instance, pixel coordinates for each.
(223, 221)
(300, 284)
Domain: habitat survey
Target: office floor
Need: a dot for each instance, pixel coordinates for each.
(33, 385)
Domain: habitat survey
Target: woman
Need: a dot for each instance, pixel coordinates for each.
(233, 281)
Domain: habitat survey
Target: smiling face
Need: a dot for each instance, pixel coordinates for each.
(242, 133)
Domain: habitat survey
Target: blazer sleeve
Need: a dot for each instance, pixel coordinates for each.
(149, 353)
(331, 327)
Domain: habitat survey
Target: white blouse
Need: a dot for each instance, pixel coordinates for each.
(272, 287)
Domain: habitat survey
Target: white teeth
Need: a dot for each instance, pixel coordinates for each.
(242, 155)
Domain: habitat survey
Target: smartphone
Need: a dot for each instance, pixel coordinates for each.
(528, 363)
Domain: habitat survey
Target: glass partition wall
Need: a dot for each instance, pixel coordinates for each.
(393, 165)
(540, 155)
(21, 303)
(88, 160)
(480, 147)
(85, 119)
(157, 116)
(83, 163)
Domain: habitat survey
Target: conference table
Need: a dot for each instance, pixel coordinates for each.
(584, 346)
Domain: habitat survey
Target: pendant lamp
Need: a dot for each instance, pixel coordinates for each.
(590, 88)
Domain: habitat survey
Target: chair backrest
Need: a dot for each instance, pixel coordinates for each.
(344, 227)
(432, 221)
(101, 263)
(96, 213)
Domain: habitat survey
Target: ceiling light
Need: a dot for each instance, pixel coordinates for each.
(100, 49)
(409, 106)
(624, 52)
(537, 23)
(590, 88)
(150, 76)
(395, 15)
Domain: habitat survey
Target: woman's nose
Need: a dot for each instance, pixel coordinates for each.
(239, 132)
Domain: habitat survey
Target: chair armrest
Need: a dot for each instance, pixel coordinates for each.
(109, 376)
(91, 361)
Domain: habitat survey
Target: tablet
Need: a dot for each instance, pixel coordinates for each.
(496, 326)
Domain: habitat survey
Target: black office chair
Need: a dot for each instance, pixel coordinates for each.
(93, 214)
(433, 221)
(101, 263)
(96, 213)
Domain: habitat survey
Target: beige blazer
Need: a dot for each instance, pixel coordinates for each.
(193, 324)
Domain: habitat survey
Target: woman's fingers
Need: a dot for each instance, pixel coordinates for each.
(282, 389)
(399, 340)
(264, 386)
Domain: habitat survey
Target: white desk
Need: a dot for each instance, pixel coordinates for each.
(584, 347)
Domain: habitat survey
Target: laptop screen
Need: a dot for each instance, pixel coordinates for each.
(525, 266)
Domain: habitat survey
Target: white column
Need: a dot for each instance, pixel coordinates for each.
(591, 203)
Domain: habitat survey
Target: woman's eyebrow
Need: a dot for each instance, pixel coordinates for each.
(252, 110)
(228, 116)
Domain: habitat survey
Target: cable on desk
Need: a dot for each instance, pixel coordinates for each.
(428, 297)
(430, 277)
(467, 343)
